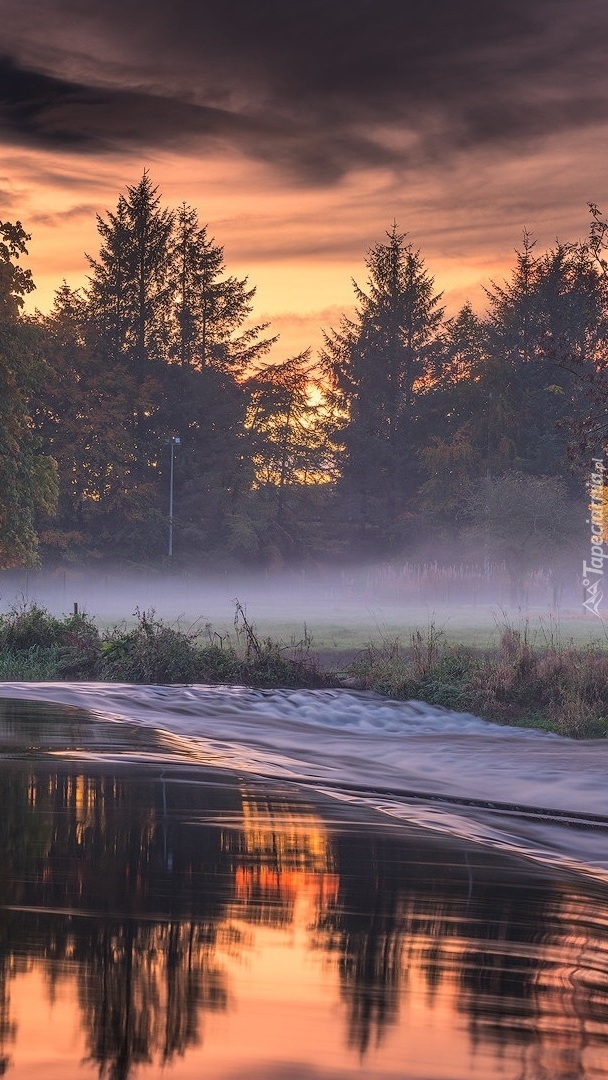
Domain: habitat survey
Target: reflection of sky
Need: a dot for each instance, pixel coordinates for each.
(456, 969)
(287, 1006)
(301, 130)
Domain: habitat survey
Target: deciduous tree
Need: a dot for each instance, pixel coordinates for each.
(28, 485)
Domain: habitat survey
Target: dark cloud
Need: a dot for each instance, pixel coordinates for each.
(45, 111)
(306, 85)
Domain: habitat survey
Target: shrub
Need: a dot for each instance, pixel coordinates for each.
(150, 653)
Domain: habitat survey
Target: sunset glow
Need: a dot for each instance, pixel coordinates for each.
(301, 135)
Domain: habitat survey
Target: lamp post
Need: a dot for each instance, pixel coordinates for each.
(173, 442)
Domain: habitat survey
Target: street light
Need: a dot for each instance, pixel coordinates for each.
(173, 442)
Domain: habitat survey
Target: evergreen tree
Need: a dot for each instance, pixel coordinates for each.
(28, 485)
(130, 297)
(377, 364)
(131, 285)
(454, 417)
(210, 309)
(85, 418)
(546, 348)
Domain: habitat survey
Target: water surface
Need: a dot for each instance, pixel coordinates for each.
(290, 886)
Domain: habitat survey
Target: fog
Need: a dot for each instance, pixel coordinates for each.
(338, 607)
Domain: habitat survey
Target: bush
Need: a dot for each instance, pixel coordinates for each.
(150, 653)
(38, 646)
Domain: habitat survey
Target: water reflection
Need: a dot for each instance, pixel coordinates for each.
(188, 920)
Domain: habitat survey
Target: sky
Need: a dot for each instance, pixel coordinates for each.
(302, 129)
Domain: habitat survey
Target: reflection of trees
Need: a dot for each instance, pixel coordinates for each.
(367, 932)
(7, 1026)
(116, 851)
(499, 941)
(142, 989)
(150, 890)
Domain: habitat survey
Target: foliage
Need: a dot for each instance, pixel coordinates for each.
(62, 648)
(377, 365)
(36, 645)
(159, 344)
(27, 477)
(150, 653)
(559, 688)
(521, 520)
(410, 425)
(210, 310)
(546, 351)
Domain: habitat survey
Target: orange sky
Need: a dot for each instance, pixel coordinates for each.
(301, 132)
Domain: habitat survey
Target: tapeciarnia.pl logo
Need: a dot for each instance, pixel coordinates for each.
(593, 571)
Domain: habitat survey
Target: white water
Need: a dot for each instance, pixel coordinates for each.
(527, 792)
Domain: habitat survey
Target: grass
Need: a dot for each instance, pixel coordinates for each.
(528, 676)
(524, 680)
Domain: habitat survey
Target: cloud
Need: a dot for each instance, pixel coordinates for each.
(316, 90)
(49, 112)
(83, 211)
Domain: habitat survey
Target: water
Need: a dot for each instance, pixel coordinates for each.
(296, 885)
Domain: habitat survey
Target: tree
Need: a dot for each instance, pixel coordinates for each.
(546, 346)
(454, 410)
(377, 364)
(290, 435)
(524, 521)
(169, 329)
(84, 415)
(28, 485)
(131, 287)
(210, 310)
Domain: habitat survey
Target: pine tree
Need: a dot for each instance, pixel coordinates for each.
(546, 346)
(377, 364)
(131, 285)
(210, 309)
(85, 418)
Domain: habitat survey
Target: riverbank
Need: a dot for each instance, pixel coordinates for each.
(517, 681)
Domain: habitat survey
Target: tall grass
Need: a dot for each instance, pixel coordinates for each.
(521, 682)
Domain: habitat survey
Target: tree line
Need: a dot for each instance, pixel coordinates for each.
(409, 426)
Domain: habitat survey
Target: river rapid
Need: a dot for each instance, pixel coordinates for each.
(527, 793)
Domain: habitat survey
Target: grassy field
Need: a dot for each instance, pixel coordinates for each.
(341, 610)
(332, 618)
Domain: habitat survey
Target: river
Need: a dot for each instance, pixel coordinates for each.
(296, 885)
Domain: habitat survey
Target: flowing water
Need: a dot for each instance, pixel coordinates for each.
(296, 885)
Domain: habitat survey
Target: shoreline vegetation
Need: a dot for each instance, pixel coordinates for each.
(518, 681)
